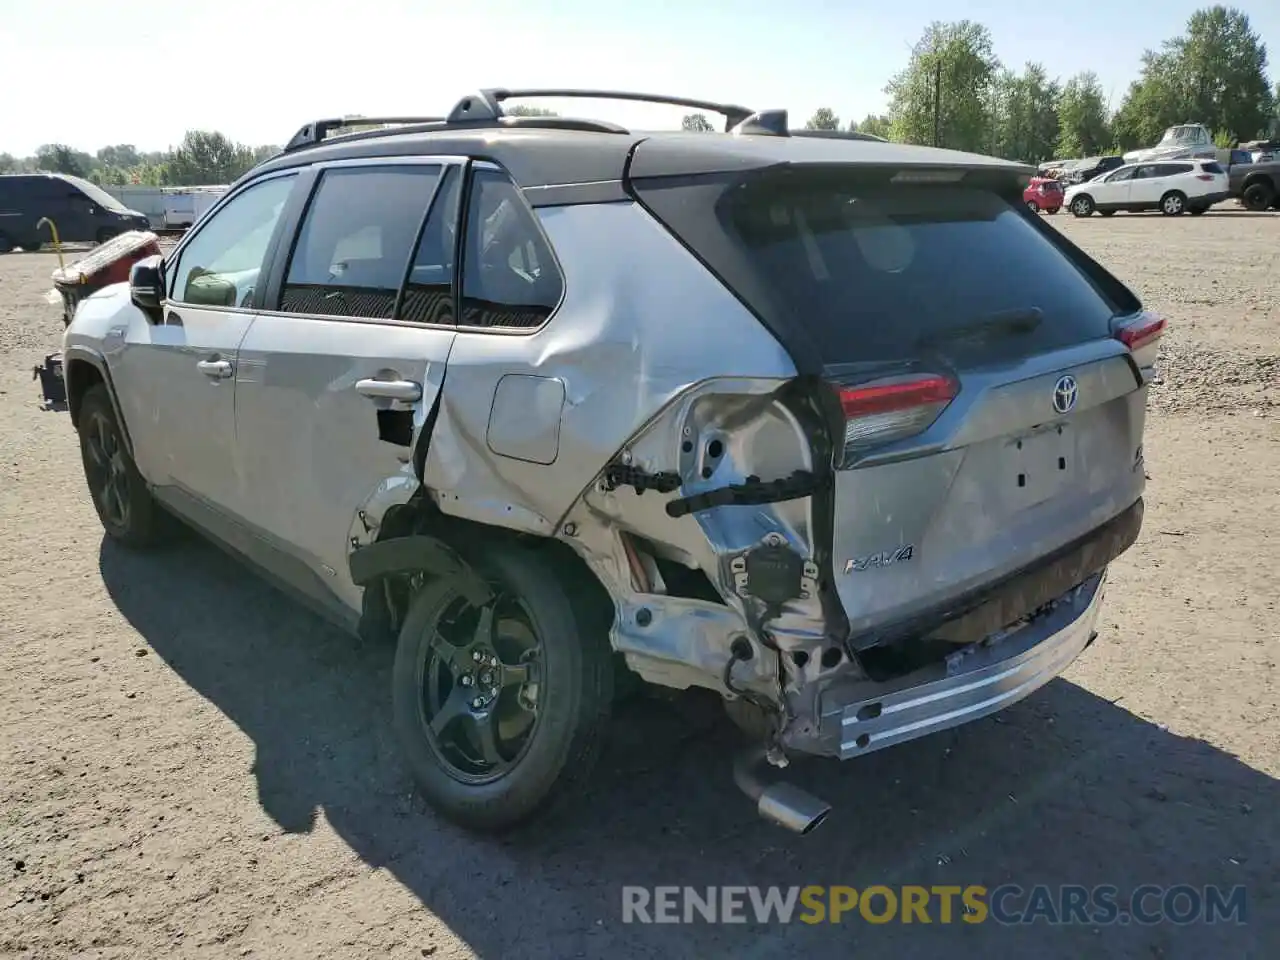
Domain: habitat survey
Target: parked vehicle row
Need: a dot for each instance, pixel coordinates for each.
(1172, 187)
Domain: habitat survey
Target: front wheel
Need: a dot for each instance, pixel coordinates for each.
(1082, 206)
(106, 234)
(1173, 204)
(501, 689)
(125, 506)
(1033, 206)
(32, 246)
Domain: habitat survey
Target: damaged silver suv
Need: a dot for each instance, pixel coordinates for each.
(832, 427)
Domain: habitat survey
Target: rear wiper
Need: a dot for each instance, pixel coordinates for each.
(1016, 321)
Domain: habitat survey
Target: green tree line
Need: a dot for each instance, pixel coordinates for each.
(954, 92)
(203, 157)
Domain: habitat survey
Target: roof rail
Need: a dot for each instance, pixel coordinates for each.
(317, 130)
(838, 135)
(487, 104)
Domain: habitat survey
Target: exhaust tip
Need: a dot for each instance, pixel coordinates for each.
(789, 806)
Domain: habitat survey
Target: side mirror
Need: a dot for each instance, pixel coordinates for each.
(146, 286)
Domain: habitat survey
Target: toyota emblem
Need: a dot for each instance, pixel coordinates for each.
(1064, 394)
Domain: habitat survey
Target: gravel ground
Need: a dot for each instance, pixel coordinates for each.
(190, 766)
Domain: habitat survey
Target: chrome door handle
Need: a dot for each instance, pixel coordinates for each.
(405, 390)
(216, 369)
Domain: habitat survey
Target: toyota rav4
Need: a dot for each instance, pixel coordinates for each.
(837, 429)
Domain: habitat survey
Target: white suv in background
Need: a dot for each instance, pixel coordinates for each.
(1171, 186)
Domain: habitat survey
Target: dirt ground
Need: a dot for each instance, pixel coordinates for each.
(191, 766)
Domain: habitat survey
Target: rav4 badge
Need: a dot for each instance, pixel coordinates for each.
(874, 561)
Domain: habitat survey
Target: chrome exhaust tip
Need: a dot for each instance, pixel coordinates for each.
(789, 806)
(784, 803)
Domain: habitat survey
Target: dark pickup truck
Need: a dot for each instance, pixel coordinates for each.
(1256, 184)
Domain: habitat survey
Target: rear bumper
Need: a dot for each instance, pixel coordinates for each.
(976, 681)
(1210, 199)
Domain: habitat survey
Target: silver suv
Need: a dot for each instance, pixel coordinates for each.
(832, 427)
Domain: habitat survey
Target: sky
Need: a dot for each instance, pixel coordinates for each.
(93, 74)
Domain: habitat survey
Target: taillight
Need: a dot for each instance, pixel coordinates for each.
(881, 411)
(1142, 332)
(1204, 176)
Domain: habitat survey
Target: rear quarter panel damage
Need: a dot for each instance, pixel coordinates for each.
(655, 364)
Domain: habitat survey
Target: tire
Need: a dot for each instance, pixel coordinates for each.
(106, 234)
(6, 243)
(1197, 211)
(1173, 204)
(32, 246)
(1107, 213)
(1082, 206)
(1033, 206)
(1258, 197)
(572, 689)
(128, 512)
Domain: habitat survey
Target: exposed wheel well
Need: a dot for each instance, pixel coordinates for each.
(387, 599)
(80, 375)
(1262, 178)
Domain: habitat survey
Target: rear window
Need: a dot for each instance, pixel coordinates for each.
(1212, 168)
(875, 273)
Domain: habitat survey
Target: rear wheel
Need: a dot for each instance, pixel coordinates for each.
(32, 245)
(106, 234)
(1197, 211)
(1173, 204)
(1258, 197)
(501, 689)
(125, 506)
(1082, 205)
(6, 242)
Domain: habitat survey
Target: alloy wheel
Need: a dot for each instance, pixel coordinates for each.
(479, 687)
(108, 473)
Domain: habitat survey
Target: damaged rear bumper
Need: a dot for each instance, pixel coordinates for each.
(862, 716)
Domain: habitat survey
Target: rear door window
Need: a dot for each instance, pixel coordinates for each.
(428, 291)
(888, 273)
(352, 253)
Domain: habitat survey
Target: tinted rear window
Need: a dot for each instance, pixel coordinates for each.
(873, 271)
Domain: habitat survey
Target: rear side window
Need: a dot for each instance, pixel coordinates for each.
(359, 231)
(509, 276)
(1212, 168)
(888, 273)
(1173, 169)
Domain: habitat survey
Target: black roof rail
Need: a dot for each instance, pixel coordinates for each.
(317, 130)
(487, 104)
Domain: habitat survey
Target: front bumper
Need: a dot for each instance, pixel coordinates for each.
(973, 682)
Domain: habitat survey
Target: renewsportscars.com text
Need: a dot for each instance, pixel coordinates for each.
(1008, 904)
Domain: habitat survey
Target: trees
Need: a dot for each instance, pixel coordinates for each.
(697, 122)
(1215, 74)
(942, 97)
(1082, 118)
(522, 110)
(877, 125)
(206, 157)
(823, 119)
(1024, 114)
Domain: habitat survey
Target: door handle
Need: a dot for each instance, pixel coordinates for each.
(405, 390)
(216, 369)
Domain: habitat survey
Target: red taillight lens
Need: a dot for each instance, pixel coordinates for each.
(1142, 332)
(1204, 176)
(885, 410)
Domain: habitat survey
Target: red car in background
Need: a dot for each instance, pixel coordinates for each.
(1043, 193)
